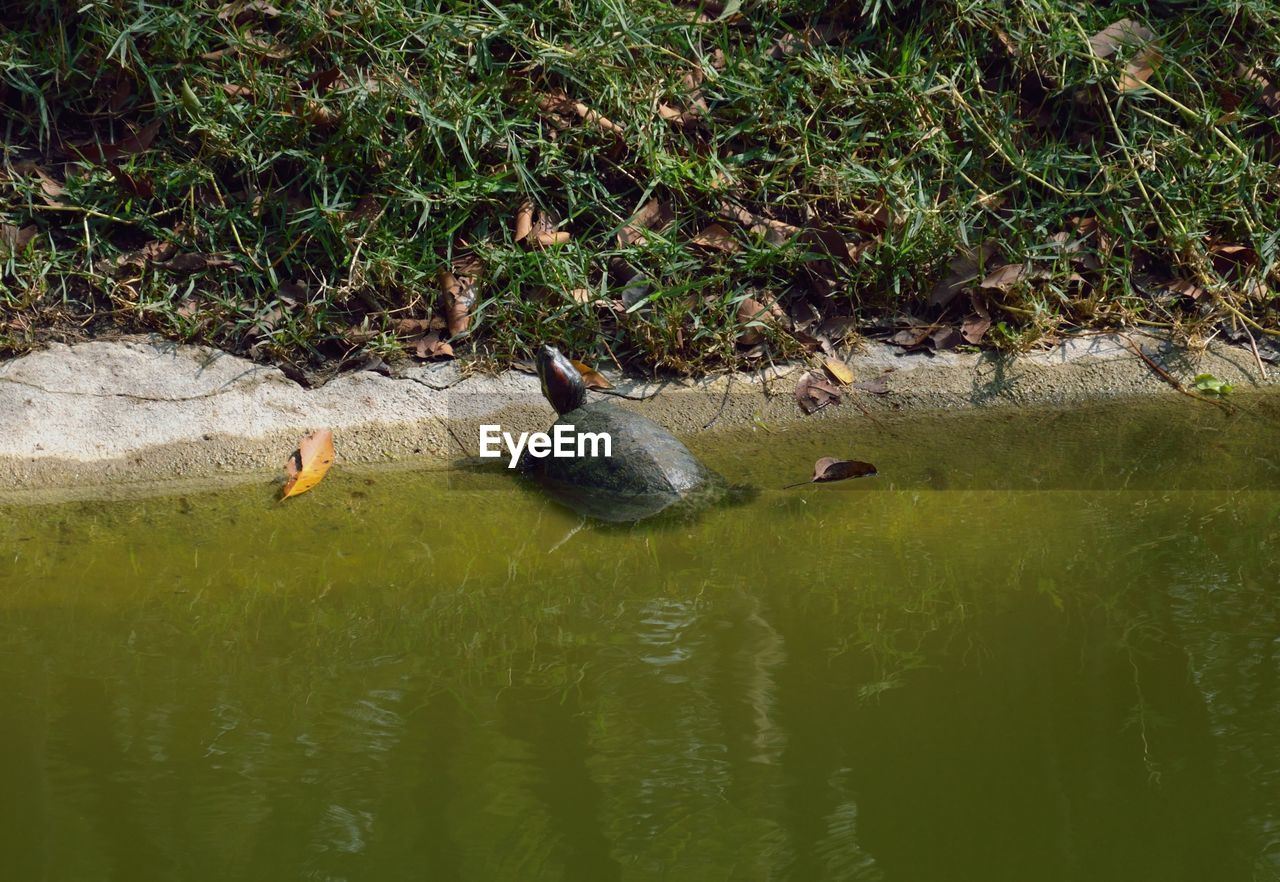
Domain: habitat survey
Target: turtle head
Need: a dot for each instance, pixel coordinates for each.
(562, 385)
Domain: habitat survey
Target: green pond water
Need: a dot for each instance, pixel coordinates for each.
(1040, 646)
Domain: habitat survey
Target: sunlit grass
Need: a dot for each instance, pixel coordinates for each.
(336, 157)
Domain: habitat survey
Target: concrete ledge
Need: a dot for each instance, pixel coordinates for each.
(96, 416)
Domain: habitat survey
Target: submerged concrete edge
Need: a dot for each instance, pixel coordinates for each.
(113, 418)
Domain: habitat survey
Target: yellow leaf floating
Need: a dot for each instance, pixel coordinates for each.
(838, 370)
(309, 463)
(592, 377)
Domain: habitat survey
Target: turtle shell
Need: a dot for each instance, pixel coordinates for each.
(647, 472)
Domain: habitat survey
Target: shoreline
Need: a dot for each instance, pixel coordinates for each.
(107, 419)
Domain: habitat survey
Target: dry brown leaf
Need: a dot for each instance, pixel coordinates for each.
(1139, 69)
(14, 239)
(120, 94)
(459, 288)
(911, 338)
(654, 215)
(839, 371)
(1269, 95)
(412, 326)
(431, 346)
(582, 296)
(233, 90)
(1126, 31)
(560, 103)
(322, 80)
(543, 233)
(751, 314)
(775, 232)
(50, 189)
(196, 262)
(546, 238)
(308, 464)
(814, 392)
(1006, 278)
(524, 219)
(590, 376)
(962, 271)
(1186, 288)
(138, 185)
(679, 117)
(263, 45)
(798, 41)
(318, 114)
(717, 238)
(829, 469)
(157, 251)
(136, 143)
(242, 11)
(944, 339)
(974, 328)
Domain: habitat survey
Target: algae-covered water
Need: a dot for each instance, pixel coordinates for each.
(1040, 646)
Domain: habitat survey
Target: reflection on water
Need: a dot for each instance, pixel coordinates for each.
(394, 679)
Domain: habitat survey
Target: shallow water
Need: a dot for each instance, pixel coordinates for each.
(1039, 646)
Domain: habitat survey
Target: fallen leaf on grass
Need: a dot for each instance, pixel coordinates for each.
(654, 215)
(1005, 278)
(14, 239)
(308, 464)
(1139, 69)
(798, 41)
(266, 47)
(839, 371)
(962, 271)
(411, 326)
(829, 469)
(1231, 260)
(751, 315)
(50, 189)
(591, 377)
(775, 232)
(195, 262)
(138, 185)
(539, 231)
(717, 238)
(157, 251)
(242, 11)
(1186, 288)
(136, 143)
(431, 346)
(322, 80)
(560, 103)
(1127, 32)
(814, 392)
(524, 219)
(459, 287)
(1269, 95)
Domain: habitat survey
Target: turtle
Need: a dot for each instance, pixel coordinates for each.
(648, 471)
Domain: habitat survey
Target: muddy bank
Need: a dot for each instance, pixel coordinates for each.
(106, 418)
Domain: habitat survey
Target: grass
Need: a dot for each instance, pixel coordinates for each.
(290, 183)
